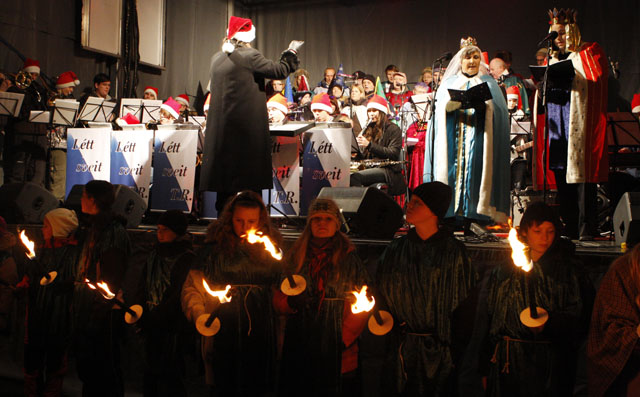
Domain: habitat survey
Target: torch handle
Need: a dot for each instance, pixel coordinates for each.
(533, 309)
(210, 319)
(292, 281)
(377, 317)
(124, 307)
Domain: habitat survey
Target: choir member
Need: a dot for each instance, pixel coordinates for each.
(424, 280)
(240, 358)
(48, 324)
(536, 361)
(105, 248)
(320, 353)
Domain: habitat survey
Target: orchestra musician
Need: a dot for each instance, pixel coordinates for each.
(381, 140)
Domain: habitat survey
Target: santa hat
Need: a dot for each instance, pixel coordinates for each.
(304, 85)
(67, 79)
(485, 58)
(151, 90)
(635, 103)
(31, 66)
(513, 92)
(321, 102)
(379, 103)
(241, 29)
(279, 102)
(183, 99)
(172, 107)
(127, 119)
(206, 103)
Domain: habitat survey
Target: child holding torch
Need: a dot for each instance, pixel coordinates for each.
(540, 360)
(48, 322)
(240, 358)
(320, 352)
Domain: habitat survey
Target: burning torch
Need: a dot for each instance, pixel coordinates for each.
(31, 254)
(132, 313)
(209, 324)
(532, 316)
(293, 284)
(381, 321)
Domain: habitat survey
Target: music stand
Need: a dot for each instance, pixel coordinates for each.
(10, 103)
(65, 111)
(131, 106)
(150, 110)
(40, 116)
(623, 129)
(133, 127)
(90, 109)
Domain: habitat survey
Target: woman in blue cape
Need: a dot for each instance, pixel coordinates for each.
(476, 137)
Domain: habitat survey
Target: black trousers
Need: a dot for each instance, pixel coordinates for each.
(368, 177)
(578, 206)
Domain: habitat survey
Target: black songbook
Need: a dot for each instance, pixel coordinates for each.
(472, 97)
(560, 73)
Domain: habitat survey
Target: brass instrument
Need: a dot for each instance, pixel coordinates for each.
(371, 163)
(22, 79)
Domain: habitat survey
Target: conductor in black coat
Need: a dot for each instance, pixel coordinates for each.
(237, 149)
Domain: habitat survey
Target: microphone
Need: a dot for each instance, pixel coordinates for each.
(550, 37)
(444, 57)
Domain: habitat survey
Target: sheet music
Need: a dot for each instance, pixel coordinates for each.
(90, 109)
(422, 102)
(131, 106)
(40, 116)
(10, 103)
(150, 110)
(65, 111)
(106, 110)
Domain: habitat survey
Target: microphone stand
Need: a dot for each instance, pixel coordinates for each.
(545, 152)
(432, 112)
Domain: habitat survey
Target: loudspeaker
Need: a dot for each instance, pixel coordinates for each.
(368, 211)
(128, 203)
(25, 202)
(626, 219)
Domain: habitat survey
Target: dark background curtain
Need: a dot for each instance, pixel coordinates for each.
(360, 35)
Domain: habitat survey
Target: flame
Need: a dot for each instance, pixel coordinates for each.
(254, 236)
(102, 287)
(519, 251)
(220, 294)
(362, 303)
(28, 244)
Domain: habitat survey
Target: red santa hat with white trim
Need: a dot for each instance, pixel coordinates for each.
(31, 66)
(279, 102)
(513, 92)
(635, 103)
(151, 90)
(240, 29)
(171, 106)
(128, 119)
(379, 103)
(321, 102)
(183, 99)
(67, 79)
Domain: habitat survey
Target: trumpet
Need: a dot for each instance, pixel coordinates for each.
(22, 79)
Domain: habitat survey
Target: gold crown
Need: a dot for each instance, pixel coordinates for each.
(469, 41)
(562, 16)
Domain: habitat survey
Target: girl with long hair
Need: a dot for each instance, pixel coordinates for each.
(320, 351)
(243, 360)
(380, 140)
